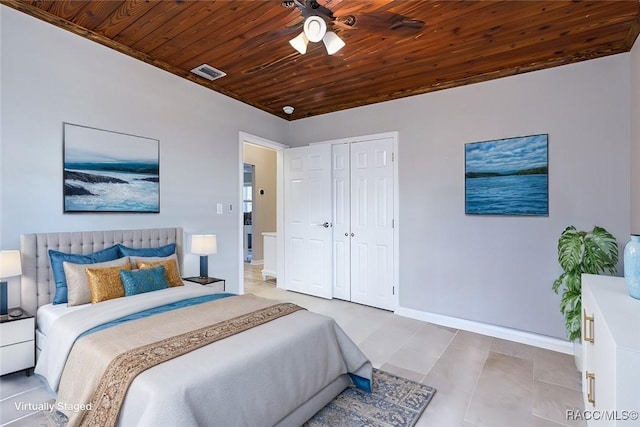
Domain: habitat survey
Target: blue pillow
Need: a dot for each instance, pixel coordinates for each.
(141, 281)
(57, 258)
(166, 250)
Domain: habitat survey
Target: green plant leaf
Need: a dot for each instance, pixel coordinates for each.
(558, 282)
(573, 281)
(571, 300)
(574, 331)
(570, 249)
(573, 322)
(580, 252)
(600, 252)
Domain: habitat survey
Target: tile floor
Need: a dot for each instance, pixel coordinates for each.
(481, 381)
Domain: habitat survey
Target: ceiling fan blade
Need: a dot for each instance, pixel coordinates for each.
(381, 22)
(407, 23)
(309, 8)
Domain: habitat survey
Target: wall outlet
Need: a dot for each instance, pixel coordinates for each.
(219, 208)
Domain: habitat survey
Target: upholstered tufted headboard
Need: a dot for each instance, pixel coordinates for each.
(38, 287)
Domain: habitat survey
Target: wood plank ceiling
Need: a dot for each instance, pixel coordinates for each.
(461, 42)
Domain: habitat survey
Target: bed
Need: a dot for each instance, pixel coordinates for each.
(254, 362)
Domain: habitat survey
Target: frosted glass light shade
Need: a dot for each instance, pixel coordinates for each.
(300, 43)
(10, 264)
(332, 42)
(204, 244)
(315, 28)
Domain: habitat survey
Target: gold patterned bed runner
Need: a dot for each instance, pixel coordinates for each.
(107, 398)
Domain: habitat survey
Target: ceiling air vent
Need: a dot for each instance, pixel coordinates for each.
(208, 72)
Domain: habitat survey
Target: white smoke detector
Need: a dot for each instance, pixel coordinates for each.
(288, 109)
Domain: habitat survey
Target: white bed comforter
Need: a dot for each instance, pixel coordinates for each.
(256, 378)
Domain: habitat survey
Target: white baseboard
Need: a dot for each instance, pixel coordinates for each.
(515, 335)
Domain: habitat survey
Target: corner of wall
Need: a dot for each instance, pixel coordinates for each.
(635, 138)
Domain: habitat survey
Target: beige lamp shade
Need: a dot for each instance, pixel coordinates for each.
(10, 264)
(204, 244)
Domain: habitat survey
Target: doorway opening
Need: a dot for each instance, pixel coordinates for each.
(261, 201)
(247, 210)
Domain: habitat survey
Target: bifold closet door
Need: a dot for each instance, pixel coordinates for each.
(307, 220)
(363, 222)
(340, 174)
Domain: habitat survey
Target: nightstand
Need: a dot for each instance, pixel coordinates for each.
(17, 342)
(212, 282)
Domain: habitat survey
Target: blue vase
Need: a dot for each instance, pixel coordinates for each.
(632, 266)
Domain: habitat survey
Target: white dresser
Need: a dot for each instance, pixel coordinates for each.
(611, 352)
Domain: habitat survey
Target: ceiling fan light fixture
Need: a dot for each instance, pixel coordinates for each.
(315, 28)
(332, 42)
(300, 43)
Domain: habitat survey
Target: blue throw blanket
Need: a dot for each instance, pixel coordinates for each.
(156, 310)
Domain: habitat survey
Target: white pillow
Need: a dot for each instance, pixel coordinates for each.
(78, 291)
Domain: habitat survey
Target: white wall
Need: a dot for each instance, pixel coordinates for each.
(50, 76)
(635, 138)
(499, 270)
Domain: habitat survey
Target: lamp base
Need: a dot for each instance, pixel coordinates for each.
(3, 298)
(204, 266)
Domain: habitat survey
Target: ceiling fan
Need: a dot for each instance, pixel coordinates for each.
(319, 19)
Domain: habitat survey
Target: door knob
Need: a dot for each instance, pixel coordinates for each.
(346, 234)
(353, 234)
(325, 224)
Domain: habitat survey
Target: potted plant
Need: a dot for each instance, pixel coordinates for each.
(593, 252)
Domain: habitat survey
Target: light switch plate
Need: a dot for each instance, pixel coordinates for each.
(219, 208)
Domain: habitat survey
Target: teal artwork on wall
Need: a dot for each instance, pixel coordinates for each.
(507, 176)
(106, 171)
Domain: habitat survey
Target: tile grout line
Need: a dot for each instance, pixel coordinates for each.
(549, 420)
(22, 392)
(446, 347)
(560, 385)
(475, 387)
(18, 419)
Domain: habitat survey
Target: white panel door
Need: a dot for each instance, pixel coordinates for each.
(341, 170)
(372, 223)
(307, 218)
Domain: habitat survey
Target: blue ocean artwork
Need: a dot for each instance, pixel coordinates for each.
(507, 176)
(110, 172)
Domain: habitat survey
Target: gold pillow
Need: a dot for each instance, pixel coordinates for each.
(105, 283)
(170, 270)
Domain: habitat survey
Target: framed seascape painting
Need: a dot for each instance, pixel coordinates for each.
(106, 171)
(507, 176)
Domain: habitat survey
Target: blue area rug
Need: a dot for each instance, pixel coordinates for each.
(395, 401)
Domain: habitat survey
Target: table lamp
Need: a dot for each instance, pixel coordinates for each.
(204, 245)
(10, 266)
